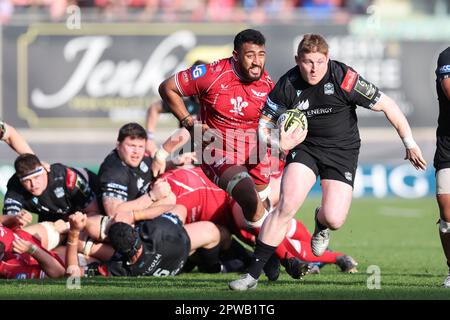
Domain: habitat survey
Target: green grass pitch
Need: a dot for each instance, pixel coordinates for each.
(399, 236)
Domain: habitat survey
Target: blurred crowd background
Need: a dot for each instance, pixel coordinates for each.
(255, 11)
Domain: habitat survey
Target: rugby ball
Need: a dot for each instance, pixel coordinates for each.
(292, 117)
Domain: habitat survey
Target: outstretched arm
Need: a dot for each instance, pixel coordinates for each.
(13, 138)
(400, 123)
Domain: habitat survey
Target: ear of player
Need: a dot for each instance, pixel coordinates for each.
(292, 119)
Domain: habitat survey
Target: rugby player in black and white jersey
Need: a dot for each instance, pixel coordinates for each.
(328, 92)
(442, 155)
(125, 175)
(51, 195)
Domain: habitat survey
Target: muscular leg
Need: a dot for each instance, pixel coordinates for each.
(336, 201)
(205, 238)
(244, 192)
(296, 177)
(203, 234)
(443, 201)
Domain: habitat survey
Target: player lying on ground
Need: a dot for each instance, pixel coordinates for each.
(27, 253)
(158, 247)
(204, 201)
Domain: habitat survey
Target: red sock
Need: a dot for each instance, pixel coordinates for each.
(302, 250)
(301, 233)
(283, 251)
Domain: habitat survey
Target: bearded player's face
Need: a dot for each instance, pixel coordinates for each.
(131, 151)
(250, 60)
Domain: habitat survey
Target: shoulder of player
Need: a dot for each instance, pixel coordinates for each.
(286, 82)
(338, 70)
(14, 183)
(220, 72)
(111, 162)
(343, 75)
(444, 56)
(57, 169)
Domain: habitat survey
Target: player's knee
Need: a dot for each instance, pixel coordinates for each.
(287, 209)
(53, 235)
(212, 233)
(334, 223)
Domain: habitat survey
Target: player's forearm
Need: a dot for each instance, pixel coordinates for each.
(153, 116)
(49, 265)
(176, 140)
(170, 94)
(143, 201)
(16, 141)
(395, 117)
(266, 133)
(152, 212)
(73, 267)
(8, 220)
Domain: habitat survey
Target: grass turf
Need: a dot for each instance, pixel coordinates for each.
(399, 236)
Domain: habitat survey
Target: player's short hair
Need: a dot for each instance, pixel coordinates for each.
(248, 36)
(199, 62)
(25, 163)
(133, 130)
(312, 43)
(124, 239)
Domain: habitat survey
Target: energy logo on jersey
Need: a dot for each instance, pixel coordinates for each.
(302, 105)
(238, 105)
(198, 71)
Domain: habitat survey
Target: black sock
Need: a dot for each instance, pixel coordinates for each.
(209, 260)
(319, 225)
(263, 252)
(237, 251)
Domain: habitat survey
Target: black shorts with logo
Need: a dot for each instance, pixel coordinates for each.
(328, 163)
(442, 154)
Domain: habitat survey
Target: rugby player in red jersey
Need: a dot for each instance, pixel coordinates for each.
(231, 92)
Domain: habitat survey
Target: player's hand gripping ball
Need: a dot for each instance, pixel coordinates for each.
(292, 118)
